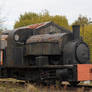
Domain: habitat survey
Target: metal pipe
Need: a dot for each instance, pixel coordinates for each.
(76, 32)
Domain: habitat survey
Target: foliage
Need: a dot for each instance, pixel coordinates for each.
(88, 37)
(86, 31)
(33, 18)
(82, 20)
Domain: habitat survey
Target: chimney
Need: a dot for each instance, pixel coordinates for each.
(76, 32)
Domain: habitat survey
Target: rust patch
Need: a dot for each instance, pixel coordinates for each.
(34, 26)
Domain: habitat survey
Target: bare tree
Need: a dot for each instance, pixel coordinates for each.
(2, 20)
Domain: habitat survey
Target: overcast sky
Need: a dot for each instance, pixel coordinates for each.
(11, 9)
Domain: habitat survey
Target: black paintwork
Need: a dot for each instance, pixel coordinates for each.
(46, 57)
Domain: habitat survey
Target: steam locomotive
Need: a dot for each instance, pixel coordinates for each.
(46, 53)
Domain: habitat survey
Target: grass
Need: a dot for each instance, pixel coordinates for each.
(13, 87)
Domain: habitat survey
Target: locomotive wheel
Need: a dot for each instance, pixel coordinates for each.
(74, 83)
(48, 82)
(55, 60)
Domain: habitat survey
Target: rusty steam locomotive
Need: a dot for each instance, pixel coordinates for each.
(44, 52)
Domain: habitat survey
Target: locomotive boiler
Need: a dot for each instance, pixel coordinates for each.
(45, 53)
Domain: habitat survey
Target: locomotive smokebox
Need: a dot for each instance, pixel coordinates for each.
(76, 32)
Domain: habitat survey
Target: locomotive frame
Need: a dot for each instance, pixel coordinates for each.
(45, 53)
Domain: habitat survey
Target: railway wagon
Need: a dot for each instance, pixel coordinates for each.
(45, 53)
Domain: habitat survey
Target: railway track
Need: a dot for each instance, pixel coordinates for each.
(65, 88)
(51, 88)
(78, 88)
